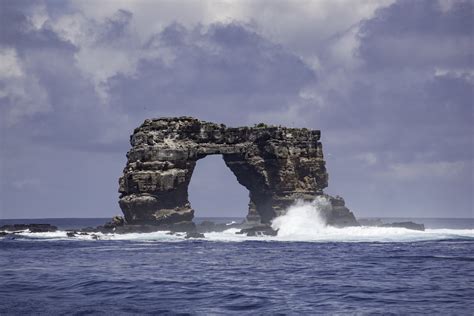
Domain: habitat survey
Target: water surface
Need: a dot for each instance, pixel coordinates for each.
(368, 271)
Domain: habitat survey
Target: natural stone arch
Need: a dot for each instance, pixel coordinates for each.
(277, 165)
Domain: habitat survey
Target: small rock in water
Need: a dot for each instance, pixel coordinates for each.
(194, 235)
(34, 228)
(117, 221)
(95, 237)
(407, 225)
(259, 231)
(379, 223)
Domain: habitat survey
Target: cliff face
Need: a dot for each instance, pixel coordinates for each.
(277, 165)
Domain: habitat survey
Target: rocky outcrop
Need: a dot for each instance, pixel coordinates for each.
(278, 166)
(379, 223)
(338, 214)
(259, 230)
(33, 228)
(407, 225)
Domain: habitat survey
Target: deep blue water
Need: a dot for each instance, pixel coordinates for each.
(54, 275)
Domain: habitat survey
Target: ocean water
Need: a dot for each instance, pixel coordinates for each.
(307, 269)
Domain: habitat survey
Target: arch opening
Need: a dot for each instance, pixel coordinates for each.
(215, 192)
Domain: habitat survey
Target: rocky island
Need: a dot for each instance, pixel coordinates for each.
(278, 166)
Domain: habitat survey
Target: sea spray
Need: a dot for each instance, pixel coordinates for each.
(303, 218)
(302, 222)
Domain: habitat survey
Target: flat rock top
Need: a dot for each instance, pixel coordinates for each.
(172, 129)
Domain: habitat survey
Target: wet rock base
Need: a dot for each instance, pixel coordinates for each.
(190, 230)
(379, 223)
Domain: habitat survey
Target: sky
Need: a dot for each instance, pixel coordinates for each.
(389, 84)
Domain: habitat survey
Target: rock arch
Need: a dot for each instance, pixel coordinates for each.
(278, 165)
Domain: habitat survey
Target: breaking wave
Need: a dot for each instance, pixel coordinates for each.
(303, 222)
(320, 234)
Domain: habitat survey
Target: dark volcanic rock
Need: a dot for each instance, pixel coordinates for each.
(175, 227)
(75, 233)
(407, 225)
(34, 228)
(278, 166)
(379, 223)
(194, 235)
(338, 214)
(116, 221)
(259, 231)
(370, 221)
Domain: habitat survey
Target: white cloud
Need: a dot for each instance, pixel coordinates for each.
(342, 50)
(22, 94)
(305, 28)
(446, 5)
(39, 15)
(22, 184)
(368, 157)
(421, 170)
(9, 64)
(463, 73)
(24, 98)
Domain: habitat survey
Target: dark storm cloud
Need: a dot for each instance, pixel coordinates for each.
(224, 72)
(410, 105)
(47, 110)
(416, 34)
(428, 95)
(66, 110)
(393, 89)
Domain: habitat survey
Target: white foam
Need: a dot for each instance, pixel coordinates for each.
(325, 234)
(302, 222)
(154, 236)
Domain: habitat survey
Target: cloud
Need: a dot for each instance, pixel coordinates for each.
(419, 35)
(390, 95)
(421, 170)
(9, 64)
(45, 89)
(224, 72)
(21, 95)
(389, 83)
(368, 158)
(305, 29)
(25, 183)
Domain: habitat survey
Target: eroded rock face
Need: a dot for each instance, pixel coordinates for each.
(278, 165)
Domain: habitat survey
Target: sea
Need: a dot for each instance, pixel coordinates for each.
(308, 269)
